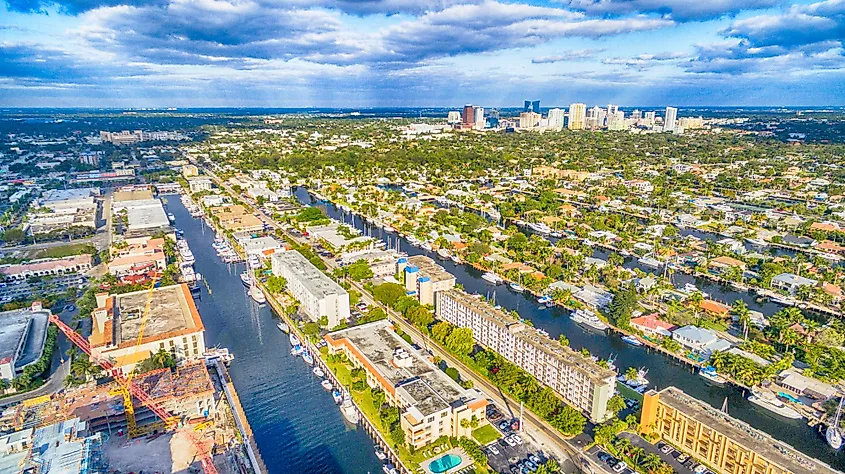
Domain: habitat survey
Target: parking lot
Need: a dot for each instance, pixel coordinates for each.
(680, 463)
(512, 453)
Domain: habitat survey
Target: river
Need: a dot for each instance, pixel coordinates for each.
(295, 422)
(662, 371)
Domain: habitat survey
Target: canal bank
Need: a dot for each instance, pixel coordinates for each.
(662, 372)
(295, 423)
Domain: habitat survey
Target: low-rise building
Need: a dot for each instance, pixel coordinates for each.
(725, 444)
(700, 340)
(317, 294)
(381, 262)
(724, 263)
(144, 217)
(46, 267)
(262, 247)
(66, 447)
(235, 218)
(424, 278)
(340, 238)
(172, 323)
(791, 282)
(23, 333)
(140, 255)
(579, 380)
(651, 325)
(431, 404)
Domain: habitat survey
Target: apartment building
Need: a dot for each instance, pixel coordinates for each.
(173, 324)
(424, 278)
(577, 379)
(317, 294)
(726, 445)
(430, 403)
(138, 256)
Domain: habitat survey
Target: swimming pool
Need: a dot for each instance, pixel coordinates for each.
(445, 463)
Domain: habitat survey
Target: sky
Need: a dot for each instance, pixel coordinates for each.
(420, 53)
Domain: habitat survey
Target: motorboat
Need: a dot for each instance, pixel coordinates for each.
(246, 279)
(650, 262)
(556, 234)
(632, 340)
(318, 372)
(782, 300)
(283, 327)
(516, 287)
(639, 383)
(254, 262)
(218, 353)
(389, 229)
(426, 246)
(833, 434)
(380, 454)
(326, 384)
(690, 288)
(545, 299)
(349, 411)
(709, 373)
(294, 341)
(307, 357)
(774, 405)
(758, 243)
(455, 259)
(491, 277)
(338, 397)
(171, 217)
(257, 295)
(540, 228)
(297, 350)
(588, 318)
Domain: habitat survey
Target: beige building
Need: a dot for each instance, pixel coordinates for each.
(318, 295)
(173, 324)
(424, 278)
(140, 255)
(577, 379)
(726, 445)
(577, 116)
(235, 218)
(431, 404)
(189, 171)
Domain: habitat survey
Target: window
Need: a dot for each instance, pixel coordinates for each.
(430, 419)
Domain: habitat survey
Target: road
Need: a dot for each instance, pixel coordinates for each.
(546, 436)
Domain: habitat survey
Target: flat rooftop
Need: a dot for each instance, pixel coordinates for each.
(55, 195)
(418, 380)
(430, 268)
(172, 313)
(330, 234)
(317, 282)
(145, 214)
(133, 195)
(13, 329)
(743, 434)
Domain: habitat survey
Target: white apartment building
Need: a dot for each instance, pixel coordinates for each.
(579, 380)
(317, 294)
(577, 116)
(199, 184)
(556, 119)
(670, 119)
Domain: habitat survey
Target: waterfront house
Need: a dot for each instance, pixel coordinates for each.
(722, 264)
(651, 325)
(791, 282)
(800, 385)
(715, 308)
(700, 340)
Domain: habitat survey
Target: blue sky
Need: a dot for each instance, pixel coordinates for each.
(357, 53)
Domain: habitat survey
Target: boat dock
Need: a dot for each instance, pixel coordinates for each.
(242, 423)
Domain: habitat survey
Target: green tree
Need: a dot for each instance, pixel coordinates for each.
(616, 403)
(460, 341)
(389, 293)
(622, 307)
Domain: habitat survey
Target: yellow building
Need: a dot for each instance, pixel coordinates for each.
(726, 445)
(430, 403)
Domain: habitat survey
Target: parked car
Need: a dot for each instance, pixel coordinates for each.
(504, 426)
(699, 469)
(666, 449)
(517, 439)
(534, 459)
(493, 450)
(530, 465)
(510, 441)
(683, 457)
(603, 456)
(619, 467)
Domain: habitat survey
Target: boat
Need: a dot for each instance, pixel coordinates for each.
(545, 299)
(389, 229)
(556, 234)
(773, 404)
(516, 287)
(389, 469)
(491, 277)
(455, 259)
(297, 350)
(256, 294)
(588, 318)
(246, 279)
(443, 253)
(349, 411)
(709, 373)
(294, 341)
(380, 454)
(689, 289)
(833, 435)
(338, 397)
(318, 372)
(649, 262)
(306, 356)
(632, 340)
(426, 246)
(759, 243)
(218, 353)
(782, 300)
(640, 383)
(326, 384)
(540, 228)
(283, 327)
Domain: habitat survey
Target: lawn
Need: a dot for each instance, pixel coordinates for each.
(485, 434)
(65, 251)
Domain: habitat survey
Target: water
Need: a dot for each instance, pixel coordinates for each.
(662, 371)
(295, 422)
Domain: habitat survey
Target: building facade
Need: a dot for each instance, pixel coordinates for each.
(317, 294)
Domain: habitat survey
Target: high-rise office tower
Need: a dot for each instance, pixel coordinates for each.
(526, 106)
(454, 117)
(670, 119)
(556, 118)
(468, 116)
(612, 109)
(577, 116)
(478, 113)
(535, 106)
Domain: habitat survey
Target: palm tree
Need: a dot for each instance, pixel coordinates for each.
(740, 309)
(651, 462)
(631, 373)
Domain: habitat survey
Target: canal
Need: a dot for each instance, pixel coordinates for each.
(662, 371)
(295, 422)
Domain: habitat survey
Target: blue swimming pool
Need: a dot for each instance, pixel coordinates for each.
(445, 463)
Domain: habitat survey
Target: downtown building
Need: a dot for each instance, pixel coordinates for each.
(581, 382)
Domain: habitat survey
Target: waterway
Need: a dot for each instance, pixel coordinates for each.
(662, 371)
(295, 422)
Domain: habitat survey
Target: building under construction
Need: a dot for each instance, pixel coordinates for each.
(65, 447)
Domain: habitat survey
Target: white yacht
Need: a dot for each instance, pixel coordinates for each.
(491, 277)
(218, 353)
(318, 372)
(294, 341)
(349, 411)
(773, 404)
(690, 288)
(709, 373)
(443, 253)
(585, 317)
(246, 279)
(256, 294)
(650, 262)
(283, 327)
(540, 228)
(326, 384)
(833, 435)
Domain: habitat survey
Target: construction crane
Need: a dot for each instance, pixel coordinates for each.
(131, 389)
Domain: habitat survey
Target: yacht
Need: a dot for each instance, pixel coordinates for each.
(540, 228)
(588, 318)
(426, 246)
(556, 234)
(689, 289)
(257, 295)
(218, 353)
(389, 229)
(709, 373)
(545, 299)
(773, 404)
(246, 279)
(782, 300)
(455, 259)
(632, 340)
(318, 372)
(297, 350)
(254, 262)
(283, 327)
(380, 454)
(833, 435)
(443, 253)
(171, 217)
(759, 243)
(326, 384)
(349, 411)
(491, 277)
(294, 341)
(649, 262)
(516, 287)
(307, 357)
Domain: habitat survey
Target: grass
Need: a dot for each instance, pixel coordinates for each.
(65, 251)
(714, 325)
(485, 434)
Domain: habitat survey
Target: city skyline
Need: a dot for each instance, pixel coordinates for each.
(393, 53)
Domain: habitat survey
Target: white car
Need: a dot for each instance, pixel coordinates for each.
(516, 439)
(619, 467)
(493, 450)
(510, 441)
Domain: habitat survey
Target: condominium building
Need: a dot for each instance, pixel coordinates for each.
(318, 295)
(577, 116)
(431, 404)
(123, 332)
(529, 119)
(577, 379)
(424, 278)
(556, 118)
(670, 119)
(726, 445)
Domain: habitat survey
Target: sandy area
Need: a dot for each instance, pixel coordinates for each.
(169, 453)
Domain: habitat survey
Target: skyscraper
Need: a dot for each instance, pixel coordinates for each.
(454, 117)
(526, 106)
(535, 106)
(556, 118)
(611, 110)
(468, 116)
(478, 113)
(577, 116)
(670, 119)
